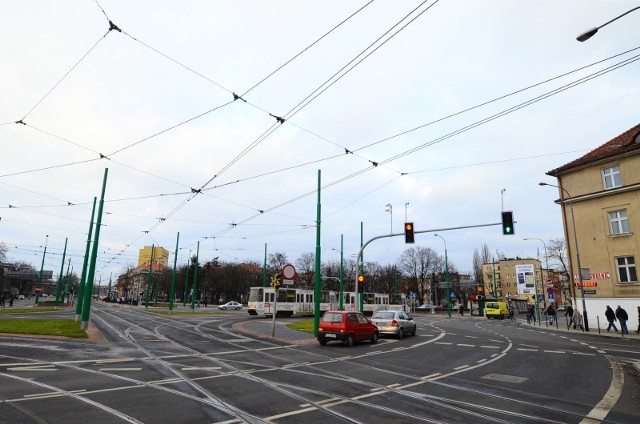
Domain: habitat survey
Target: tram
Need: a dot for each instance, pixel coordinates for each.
(292, 302)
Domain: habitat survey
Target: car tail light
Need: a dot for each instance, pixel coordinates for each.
(394, 323)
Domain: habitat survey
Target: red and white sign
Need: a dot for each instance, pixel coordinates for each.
(38, 290)
(288, 272)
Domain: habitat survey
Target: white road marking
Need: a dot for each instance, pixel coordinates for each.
(121, 369)
(602, 409)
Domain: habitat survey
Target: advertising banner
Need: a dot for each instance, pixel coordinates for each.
(526, 279)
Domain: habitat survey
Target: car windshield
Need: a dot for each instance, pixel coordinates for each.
(384, 315)
(332, 317)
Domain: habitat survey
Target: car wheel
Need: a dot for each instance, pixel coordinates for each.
(323, 342)
(400, 334)
(237, 309)
(349, 340)
(374, 337)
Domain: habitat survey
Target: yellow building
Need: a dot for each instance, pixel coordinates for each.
(506, 278)
(160, 255)
(600, 199)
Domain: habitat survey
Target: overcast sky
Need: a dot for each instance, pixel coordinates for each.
(380, 107)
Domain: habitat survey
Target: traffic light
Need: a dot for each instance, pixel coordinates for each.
(408, 232)
(507, 223)
(277, 281)
(361, 283)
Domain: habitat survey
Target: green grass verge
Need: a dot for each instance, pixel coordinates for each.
(305, 326)
(27, 310)
(45, 327)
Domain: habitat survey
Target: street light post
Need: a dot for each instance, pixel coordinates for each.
(446, 270)
(591, 32)
(575, 240)
(390, 210)
(41, 270)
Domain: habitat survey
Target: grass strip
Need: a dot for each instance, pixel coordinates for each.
(45, 327)
(306, 326)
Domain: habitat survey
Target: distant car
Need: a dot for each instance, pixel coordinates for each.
(425, 307)
(394, 323)
(230, 305)
(21, 297)
(347, 327)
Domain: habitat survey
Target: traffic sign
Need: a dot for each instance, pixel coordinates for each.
(288, 272)
(38, 290)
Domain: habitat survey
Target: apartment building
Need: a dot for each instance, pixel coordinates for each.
(600, 199)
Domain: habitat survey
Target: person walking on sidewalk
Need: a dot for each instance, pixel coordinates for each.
(551, 314)
(611, 317)
(511, 313)
(577, 320)
(531, 314)
(569, 313)
(622, 317)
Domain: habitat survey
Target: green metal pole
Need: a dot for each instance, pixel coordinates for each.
(194, 289)
(86, 307)
(341, 273)
(395, 283)
(109, 287)
(186, 282)
(146, 298)
(446, 270)
(39, 284)
(316, 296)
(173, 276)
(85, 265)
(59, 285)
(361, 294)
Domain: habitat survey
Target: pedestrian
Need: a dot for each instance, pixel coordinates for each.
(10, 300)
(461, 309)
(611, 317)
(569, 313)
(531, 314)
(638, 330)
(577, 320)
(622, 317)
(511, 312)
(551, 314)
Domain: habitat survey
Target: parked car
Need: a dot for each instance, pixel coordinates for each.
(230, 305)
(21, 297)
(394, 323)
(425, 307)
(347, 327)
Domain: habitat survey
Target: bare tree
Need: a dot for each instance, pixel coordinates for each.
(417, 263)
(558, 252)
(480, 257)
(3, 252)
(277, 261)
(306, 267)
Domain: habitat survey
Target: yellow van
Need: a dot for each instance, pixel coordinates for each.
(494, 309)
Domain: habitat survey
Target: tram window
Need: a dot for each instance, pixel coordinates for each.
(256, 295)
(291, 296)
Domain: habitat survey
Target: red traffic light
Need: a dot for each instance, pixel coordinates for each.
(408, 232)
(361, 279)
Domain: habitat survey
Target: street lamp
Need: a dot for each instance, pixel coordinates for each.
(591, 32)
(390, 210)
(575, 240)
(446, 270)
(546, 259)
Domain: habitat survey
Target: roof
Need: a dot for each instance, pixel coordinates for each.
(628, 141)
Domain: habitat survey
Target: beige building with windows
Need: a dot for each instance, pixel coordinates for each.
(518, 279)
(600, 198)
(160, 256)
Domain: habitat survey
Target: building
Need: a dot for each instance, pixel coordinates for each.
(519, 280)
(600, 199)
(160, 256)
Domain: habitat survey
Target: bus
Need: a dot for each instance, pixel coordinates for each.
(293, 302)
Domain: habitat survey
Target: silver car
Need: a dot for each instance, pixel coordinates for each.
(395, 323)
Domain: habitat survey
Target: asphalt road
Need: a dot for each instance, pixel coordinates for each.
(226, 368)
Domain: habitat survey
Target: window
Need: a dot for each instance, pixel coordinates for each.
(619, 222)
(611, 177)
(627, 269)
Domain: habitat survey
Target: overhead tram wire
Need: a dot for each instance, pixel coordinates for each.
(457, 132)
(496, 99)
(306, 48)
(312, 96)
(63, 77)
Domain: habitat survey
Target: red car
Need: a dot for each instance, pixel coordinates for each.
(347, 327)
